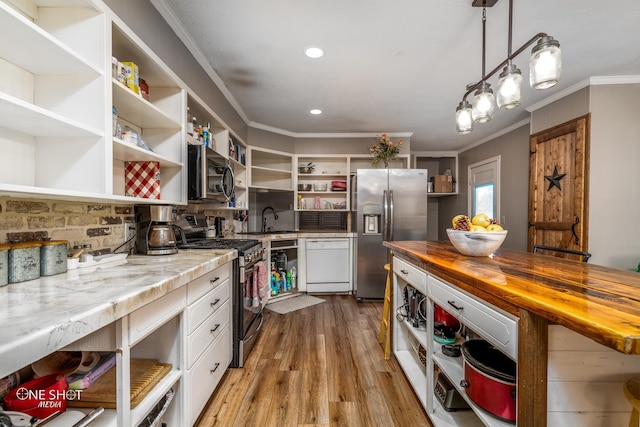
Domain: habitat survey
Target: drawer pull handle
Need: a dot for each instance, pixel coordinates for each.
(214, 280)
(215, 368)
(215, 302)
(215, 328)
(405, 272)
(453, 304)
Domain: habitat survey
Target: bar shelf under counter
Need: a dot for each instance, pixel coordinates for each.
(560, 307)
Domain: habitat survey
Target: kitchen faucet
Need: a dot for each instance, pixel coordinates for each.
(264, 219)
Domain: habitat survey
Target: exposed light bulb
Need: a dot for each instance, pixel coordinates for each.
(509, 89)
(483, 105)
(464, 119)
(545, 64)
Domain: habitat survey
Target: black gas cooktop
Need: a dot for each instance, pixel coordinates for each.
(240, 245)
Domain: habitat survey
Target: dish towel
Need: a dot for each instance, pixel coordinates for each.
(262, 279)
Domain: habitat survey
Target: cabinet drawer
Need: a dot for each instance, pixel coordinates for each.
(207, 332)
(148, 318)
(203, 284)
(206, 306)
(412, 275)
(207, 372)
(482, 318)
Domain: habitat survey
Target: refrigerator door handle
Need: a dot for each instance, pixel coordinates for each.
(390, 219)
(385, 216)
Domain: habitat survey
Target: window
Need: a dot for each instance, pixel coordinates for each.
(484, 188)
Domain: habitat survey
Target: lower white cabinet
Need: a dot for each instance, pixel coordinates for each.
(208, 337)
(205, 374)
(190, 329)
(421, 357)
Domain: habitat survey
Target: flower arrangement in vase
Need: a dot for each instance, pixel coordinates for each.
(384, 149)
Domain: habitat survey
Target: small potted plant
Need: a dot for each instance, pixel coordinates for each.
(306, 168)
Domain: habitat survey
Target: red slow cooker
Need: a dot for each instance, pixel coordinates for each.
(490, 378)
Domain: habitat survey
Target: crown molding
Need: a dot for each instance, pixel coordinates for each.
(591, 81)
(496, 135)
(302, 135)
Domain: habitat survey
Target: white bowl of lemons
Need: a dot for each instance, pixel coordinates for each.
(479, 236)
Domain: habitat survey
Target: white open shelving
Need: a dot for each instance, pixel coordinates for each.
(406, 338)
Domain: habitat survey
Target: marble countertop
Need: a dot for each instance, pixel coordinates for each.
(40, 316)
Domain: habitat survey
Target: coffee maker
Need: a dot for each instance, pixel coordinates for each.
(155, 234)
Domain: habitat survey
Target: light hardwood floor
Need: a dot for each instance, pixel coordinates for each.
(318, 366)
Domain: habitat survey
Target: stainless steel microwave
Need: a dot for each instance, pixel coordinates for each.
(209, 175)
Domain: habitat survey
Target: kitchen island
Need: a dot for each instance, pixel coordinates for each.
(140, 307)
(600, 303)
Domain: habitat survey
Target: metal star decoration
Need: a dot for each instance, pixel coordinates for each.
(554, 180)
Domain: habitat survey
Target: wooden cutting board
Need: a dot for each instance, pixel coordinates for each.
(145, 374)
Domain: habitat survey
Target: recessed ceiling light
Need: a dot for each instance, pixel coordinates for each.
(315, 111)
(314, 52)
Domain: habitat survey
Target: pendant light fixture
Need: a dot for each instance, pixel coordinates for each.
(545, 66)
(483, 105)
(510, 80)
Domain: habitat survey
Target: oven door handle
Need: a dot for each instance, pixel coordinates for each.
(249, 270)
(257, 329)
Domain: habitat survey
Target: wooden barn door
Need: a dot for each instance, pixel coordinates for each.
(559, 186)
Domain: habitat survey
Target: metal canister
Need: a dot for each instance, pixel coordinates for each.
(24, 261)
(4, 263)
(53, 257)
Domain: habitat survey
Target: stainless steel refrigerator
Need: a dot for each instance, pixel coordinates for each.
(390, 204)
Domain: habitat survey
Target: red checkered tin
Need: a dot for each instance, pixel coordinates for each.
(142, 179)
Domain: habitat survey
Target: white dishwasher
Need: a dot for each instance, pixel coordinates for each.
(328, 265)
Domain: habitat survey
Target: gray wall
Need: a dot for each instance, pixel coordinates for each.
(266, 139)
(513, 149)
(614, 195)
(561, 111)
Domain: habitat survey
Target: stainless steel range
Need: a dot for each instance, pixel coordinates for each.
(247, 314)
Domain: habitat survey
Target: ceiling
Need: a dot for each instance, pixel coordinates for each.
(391, 66)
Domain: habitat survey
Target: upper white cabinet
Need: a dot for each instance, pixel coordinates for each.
(224, 149)
(270, 169)
(158, 120)
(57, 93)
(325, 186)
(52, 99)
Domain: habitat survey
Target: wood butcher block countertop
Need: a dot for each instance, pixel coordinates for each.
(598, 302)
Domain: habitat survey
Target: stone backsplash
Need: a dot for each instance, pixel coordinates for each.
(101, 225)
